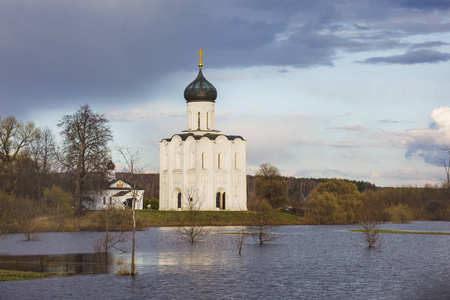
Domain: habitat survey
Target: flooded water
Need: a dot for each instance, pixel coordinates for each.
(308, 262)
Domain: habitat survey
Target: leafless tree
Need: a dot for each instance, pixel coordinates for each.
(114, 223)
(133, 168)
(84, 152)
(242, 234)
(15, 137)
(42, 151)
(445, 162)
(264, 229)
(370, 221)
(189, 226)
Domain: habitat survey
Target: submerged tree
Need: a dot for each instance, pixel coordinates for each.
(133, 168)
(114, 222)
(84, 152)
(370, 220)
(189, 226)
(264, 228)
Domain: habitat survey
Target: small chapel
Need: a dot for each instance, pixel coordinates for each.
(114, 193)
(202, 162)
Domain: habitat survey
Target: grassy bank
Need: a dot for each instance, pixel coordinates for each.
(151, 218)
(215, 218)
(406, 231)
(9, 275)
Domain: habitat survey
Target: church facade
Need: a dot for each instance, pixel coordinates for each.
(201, 164)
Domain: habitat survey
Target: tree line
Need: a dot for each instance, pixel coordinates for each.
(50, 178)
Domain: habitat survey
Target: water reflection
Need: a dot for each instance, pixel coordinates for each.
(78, 263)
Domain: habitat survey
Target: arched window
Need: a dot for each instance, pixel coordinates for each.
(199, 120)
(203, 160)
(179, 200)
(192, 160)
(204, 191)
(178, 166)
(219, 161)
(190, 121)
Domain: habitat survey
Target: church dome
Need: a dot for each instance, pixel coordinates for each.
(200, 90)
(111, 165)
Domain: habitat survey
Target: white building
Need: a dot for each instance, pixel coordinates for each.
(200, 161)
(115, 193)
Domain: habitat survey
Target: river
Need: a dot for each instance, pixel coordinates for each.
(306, 262)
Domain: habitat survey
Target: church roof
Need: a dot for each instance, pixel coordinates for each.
(211, 136)
(200, 90)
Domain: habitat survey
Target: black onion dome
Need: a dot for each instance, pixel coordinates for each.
(200, 90)
(111, 165)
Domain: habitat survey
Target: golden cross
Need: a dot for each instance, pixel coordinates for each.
(200, 52)
(110, 154)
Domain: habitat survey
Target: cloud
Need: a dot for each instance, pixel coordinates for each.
(425, 142)
(432, 44)
(145, 112)
(409, 58)
(357, 128)
(388, 121)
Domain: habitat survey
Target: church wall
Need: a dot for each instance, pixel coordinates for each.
(194, 165)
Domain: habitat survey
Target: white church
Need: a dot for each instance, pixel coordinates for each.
(115, 193)
(202, 162)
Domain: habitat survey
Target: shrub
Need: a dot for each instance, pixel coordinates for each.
(146, 203)
(154, 203)
(400, 214)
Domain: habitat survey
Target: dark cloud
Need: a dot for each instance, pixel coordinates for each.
(432, 44)
(409, 58)
(424, 5)
(55, 53)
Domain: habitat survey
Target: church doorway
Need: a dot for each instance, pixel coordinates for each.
(129, 203)
(179, 200)
(220, 200)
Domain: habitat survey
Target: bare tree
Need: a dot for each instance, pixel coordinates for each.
(370, 220)
(42, 150)
(15, 137)
(264, 228)
(189, 226)
(445, 162)
(133, 168)
(113, 222)
(243, 231)
(86, 135)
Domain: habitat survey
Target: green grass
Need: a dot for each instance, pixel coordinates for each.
(152, 218)
(155, 218)
(8, 275)
(405, 231)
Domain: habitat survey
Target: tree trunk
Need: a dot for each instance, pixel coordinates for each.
(134, 239)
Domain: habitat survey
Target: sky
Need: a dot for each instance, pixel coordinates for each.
(336, 89)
